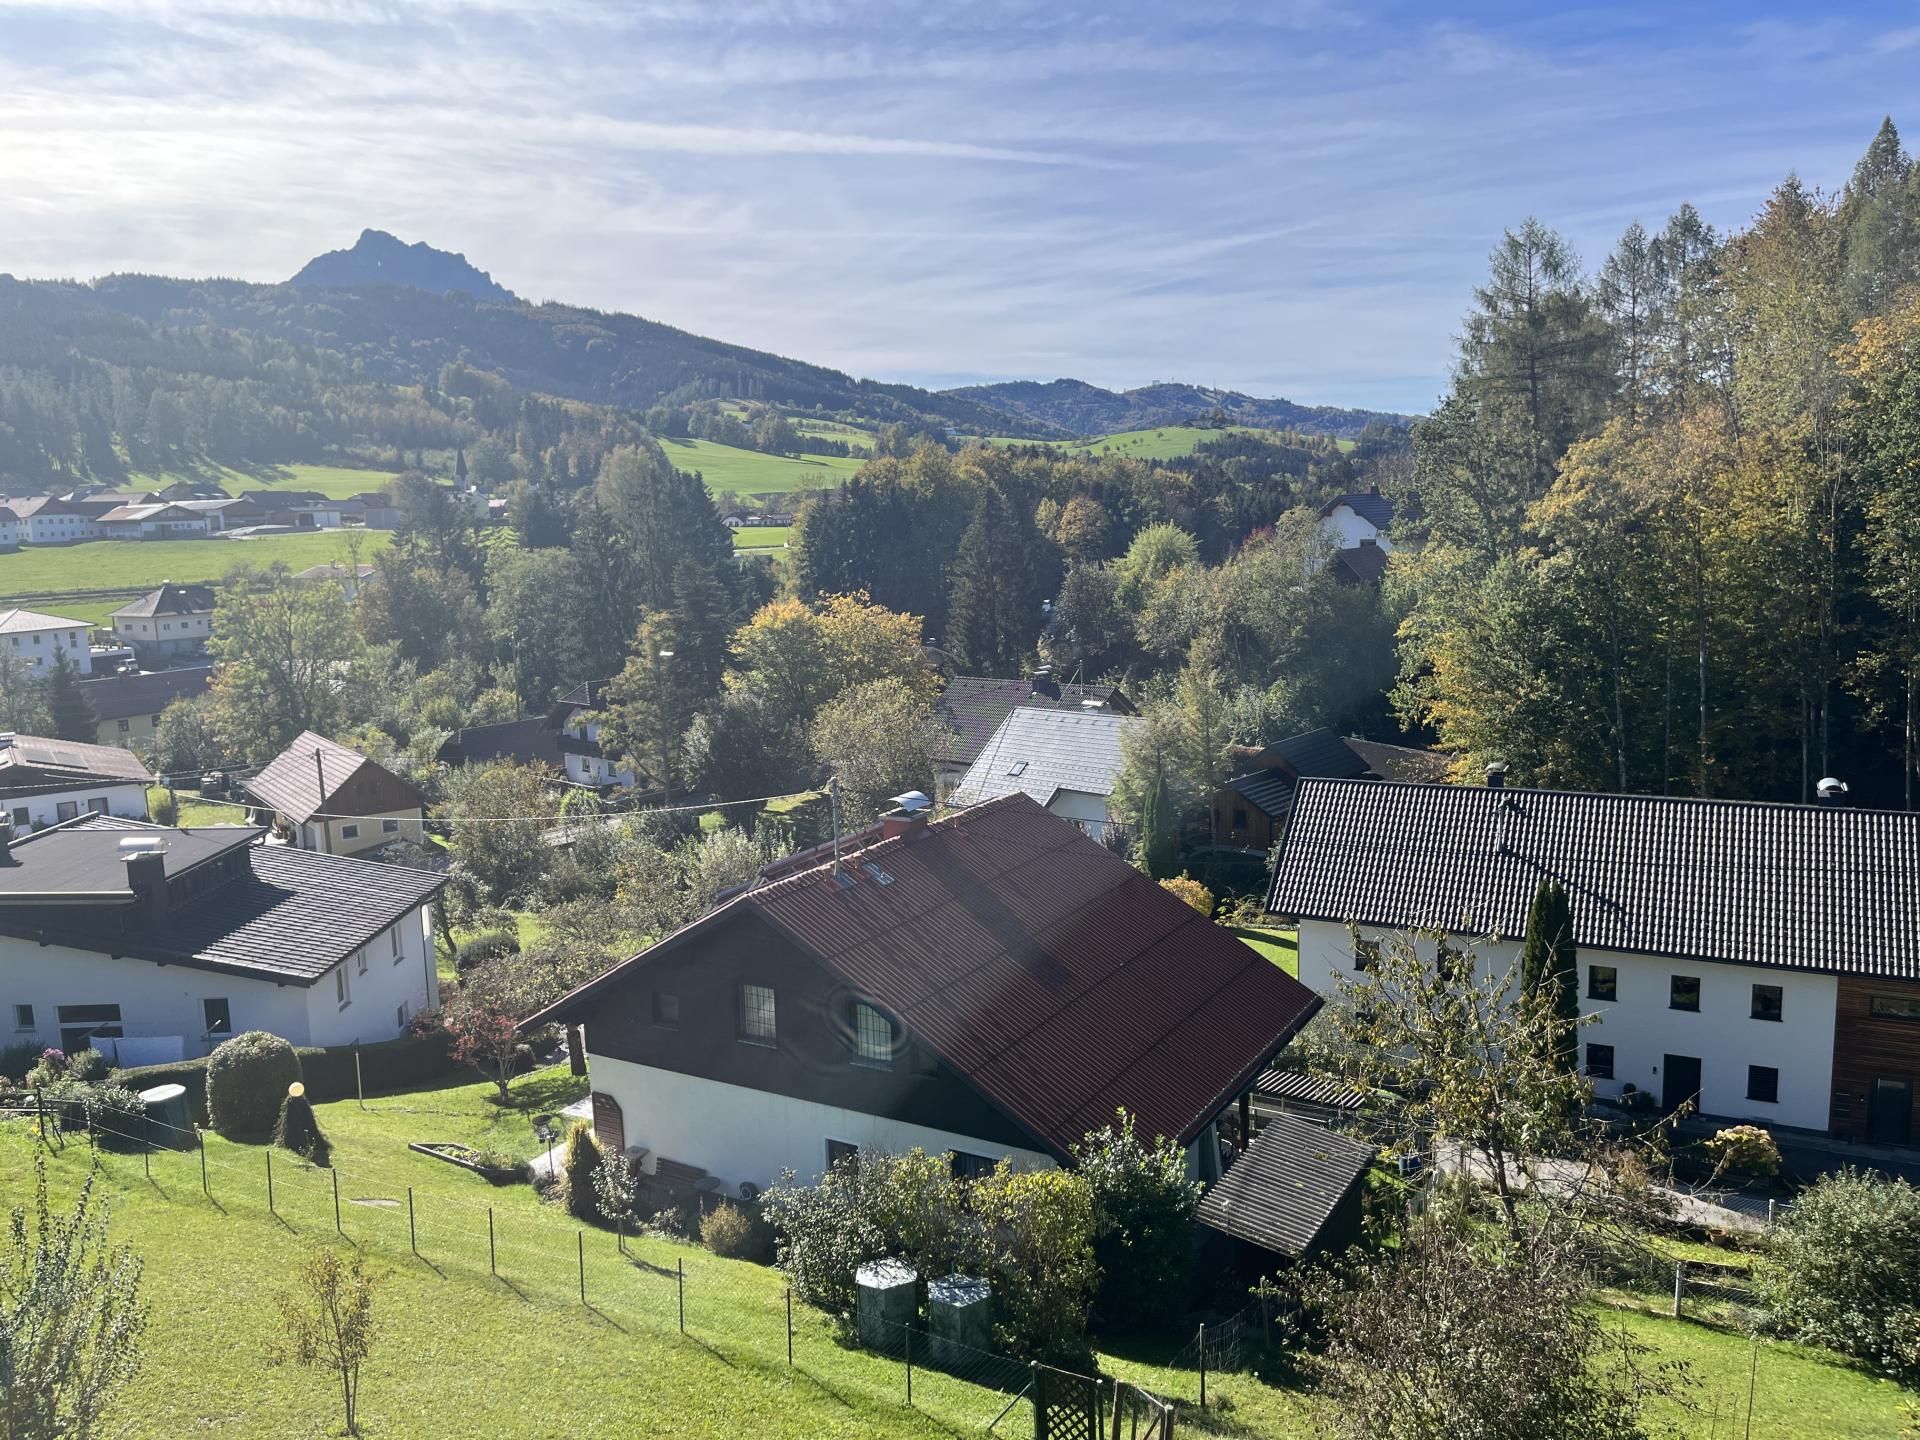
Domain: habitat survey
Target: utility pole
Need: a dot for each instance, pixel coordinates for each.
(320, 772)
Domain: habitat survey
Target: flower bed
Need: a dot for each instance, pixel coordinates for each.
(494, 1168)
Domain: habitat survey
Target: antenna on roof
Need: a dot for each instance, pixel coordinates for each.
(833, 799)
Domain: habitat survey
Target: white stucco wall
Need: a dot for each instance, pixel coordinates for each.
(165, 1000)
(735, 1133)
(43, 806)
(330, 836)
(38, 647)
(1644, 1030)
(1347, 528)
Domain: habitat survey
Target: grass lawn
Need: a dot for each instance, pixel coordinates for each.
(464, 1352)
(195, 811)
(761, 537)
(46, 572)
(1282, 947)
(336, 482)
(749, 472)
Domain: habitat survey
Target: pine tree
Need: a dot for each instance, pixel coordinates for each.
(1548, 965)
(73, 717)
(1159, 850)
(1001, 576)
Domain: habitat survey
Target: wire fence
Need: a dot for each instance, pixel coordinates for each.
(640, 1283)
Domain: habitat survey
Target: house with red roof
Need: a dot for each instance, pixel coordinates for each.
(993, 985)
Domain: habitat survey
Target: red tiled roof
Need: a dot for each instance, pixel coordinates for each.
(1059, 980)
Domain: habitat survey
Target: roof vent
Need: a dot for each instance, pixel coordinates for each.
(1497, 775)
(134, 845)
(880, 876)
(1831, 791)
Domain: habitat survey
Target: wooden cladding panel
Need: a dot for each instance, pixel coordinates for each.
(1867, 1047)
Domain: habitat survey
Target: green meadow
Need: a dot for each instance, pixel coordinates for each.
(336, 482)
(750, 472)
(1163, 442)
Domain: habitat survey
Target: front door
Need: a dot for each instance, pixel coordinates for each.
(1680, 1082)
(1889, 1111)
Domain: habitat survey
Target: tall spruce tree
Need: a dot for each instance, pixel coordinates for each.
(1548, 964)
(73, 717)
(1159, 847)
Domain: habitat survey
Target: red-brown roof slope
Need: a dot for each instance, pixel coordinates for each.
(1060, 981)
(314, 775)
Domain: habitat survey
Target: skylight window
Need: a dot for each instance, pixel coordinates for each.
(1019, 768)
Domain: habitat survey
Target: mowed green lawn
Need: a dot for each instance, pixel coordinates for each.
(336, 482)
(464, 1351)
(761, 537)
(749, 472)
(1282, 947)
(47, 571)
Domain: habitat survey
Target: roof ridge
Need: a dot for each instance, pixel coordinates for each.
(1800, 806)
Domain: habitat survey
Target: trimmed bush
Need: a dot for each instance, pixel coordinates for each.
(1842, 1268)
(583, 1161)
(727, 1231)
(487, 945)
(114, 1111)
(247, 1078)
(1190, 891)
(402, 1064)
(88, 1066)
(1748, 1149)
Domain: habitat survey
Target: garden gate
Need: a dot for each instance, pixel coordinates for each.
(1070, 1407)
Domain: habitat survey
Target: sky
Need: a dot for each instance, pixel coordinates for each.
(1290, 198)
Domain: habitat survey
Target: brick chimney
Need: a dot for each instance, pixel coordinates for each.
(908, 818)
(146, 860)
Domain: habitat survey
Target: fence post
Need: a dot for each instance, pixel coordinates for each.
(1203, 1367)
(907, 1330)
(269, 1154)
(680, 1277)
(1770, 1204)
(146, 1157)
(1679, 1285)
(580, 1236)
(203, 1165)
(359, 1090)
(1119, 1398)
(789, 1325)
(413, 1236)
(493, 1266)
(338, 1228)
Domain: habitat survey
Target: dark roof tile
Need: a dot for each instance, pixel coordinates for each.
(1281, 1193)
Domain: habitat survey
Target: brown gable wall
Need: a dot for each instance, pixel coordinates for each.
(813, 1060)
(372, 790)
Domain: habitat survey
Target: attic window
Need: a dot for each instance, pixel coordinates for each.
(1019, 767)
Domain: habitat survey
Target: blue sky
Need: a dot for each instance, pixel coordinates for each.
(1291, 198)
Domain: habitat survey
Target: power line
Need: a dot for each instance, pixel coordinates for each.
(554, 819)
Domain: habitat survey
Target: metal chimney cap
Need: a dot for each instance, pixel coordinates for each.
(1830, 789)
(914, 802)
(134, 846)
(1496, 774)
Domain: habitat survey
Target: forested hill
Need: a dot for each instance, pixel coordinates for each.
(1084, 409)
(377, 258)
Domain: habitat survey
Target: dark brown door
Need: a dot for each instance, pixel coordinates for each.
(1680, 1081)
(1889, 1111)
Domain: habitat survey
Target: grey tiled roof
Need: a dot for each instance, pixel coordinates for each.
(291, 915)
(115, 697)
(1281, 1193)
(1319, 752)
(1807, 887)
(1041, 752)
(1268, 791)
(972, 707)
(1370, 505)
(169, 600)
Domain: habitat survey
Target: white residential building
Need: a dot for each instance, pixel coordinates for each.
(1068, 760)
(44, 781)
(9, 529)
(49, 520)
(167, 623)
(156, 944)
(37, 638)
(587, 763)
(1759, 961)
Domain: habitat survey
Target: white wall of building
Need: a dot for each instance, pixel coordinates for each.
(164, 629)
(9, 531)
(1083, 807)
(359, 833)
(735, 1133)
(47, 529)
(44, 807)
(594, 769)
(165, 1003)
(1643, 1029)
(38, 647)
(1348, 529)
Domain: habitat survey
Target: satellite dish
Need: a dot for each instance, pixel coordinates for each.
(749, 1191)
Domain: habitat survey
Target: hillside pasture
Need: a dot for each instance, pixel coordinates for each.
(730, 470)
(90, 580)
(761, 537)
(1163, 442)
(336, 482)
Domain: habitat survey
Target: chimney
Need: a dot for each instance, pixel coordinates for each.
(145, 857)
(908, 818)
(1042, 683)
(1497, 775)
(1831, 793)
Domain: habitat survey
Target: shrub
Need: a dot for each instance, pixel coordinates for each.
(162, 807)
(112, 1110)
(49, 1069)
(17, 1060)
(915, 1204)
(1143, 1207)
(822, 1237)
(727, 1230)
(247, 1077)
(1842, 1267)
(616, 1189)
(1746, 1148)
(1189, 890)
(487, 945)
(88, 1066)
(1040, 1229)
(583, 1161)
(298, 1129)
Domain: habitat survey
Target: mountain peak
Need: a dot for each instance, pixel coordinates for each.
(378, 258)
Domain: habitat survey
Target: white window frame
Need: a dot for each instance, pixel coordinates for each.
(342, 989)
(752, 1012)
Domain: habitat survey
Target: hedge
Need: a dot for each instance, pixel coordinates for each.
(384, 1065)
